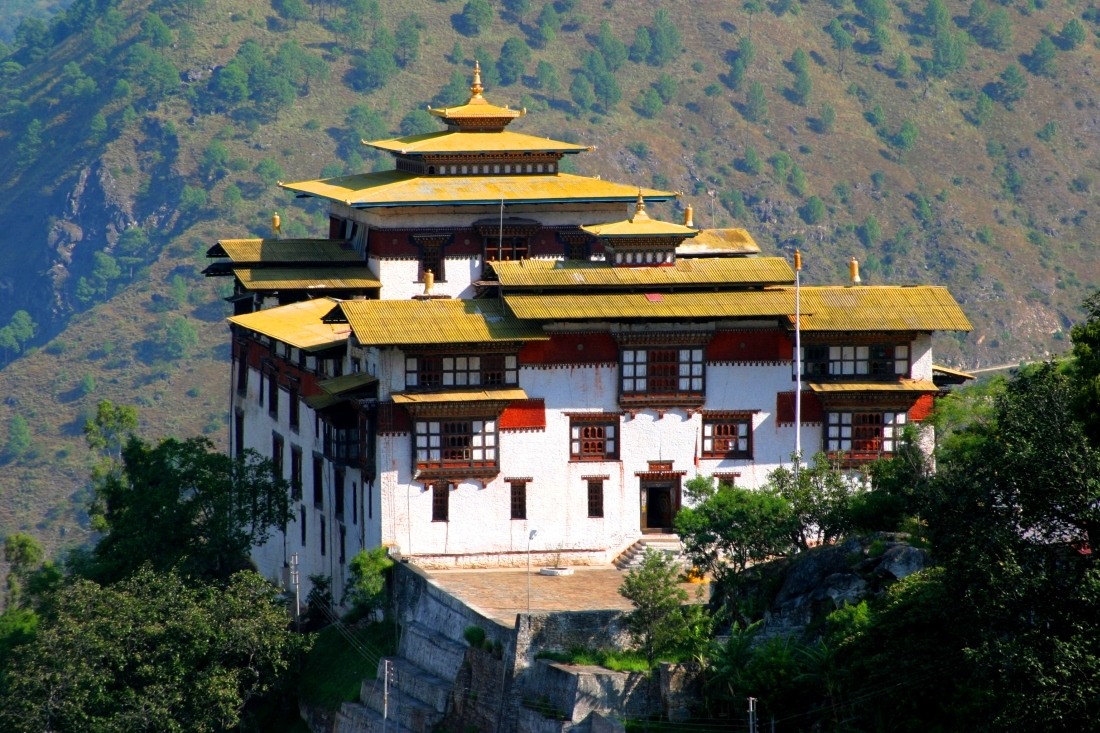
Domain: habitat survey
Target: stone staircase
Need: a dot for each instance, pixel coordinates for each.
(667, 543)
(419, 689)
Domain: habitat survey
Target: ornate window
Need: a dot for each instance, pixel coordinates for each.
(593, 438)
(864, 432)
(871, 361)
(456, 444)
(433, 371)
(663, 371)
(727, 436)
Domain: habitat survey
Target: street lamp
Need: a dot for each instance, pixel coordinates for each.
(530, 537)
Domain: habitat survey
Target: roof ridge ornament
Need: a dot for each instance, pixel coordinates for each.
(476, 89)
(639, 209)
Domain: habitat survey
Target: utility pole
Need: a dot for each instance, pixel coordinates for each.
(530, 537)
(797, 362)
(297, 592)
(385, 692)
(752, 715)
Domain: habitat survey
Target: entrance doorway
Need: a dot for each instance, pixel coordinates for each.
(660, 502)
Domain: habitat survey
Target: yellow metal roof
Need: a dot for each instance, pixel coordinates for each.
(877, 308)
(476, 395)
(297, 324)
(640, 225)
(321, 401)
(881, 308)
(398, 188)
(948, 371)
(905, 385)
(609, 306)
(703, 271)
(307, 278)
(347, 382)
(436, 321)
(285, 250)
(458, 141)
(719, 241)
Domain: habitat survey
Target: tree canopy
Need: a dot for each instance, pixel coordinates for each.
(182, 504)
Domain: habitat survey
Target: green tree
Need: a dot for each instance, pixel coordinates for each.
(734, 527)
(184, 504)
(1072, 34)
(1041, 59)
(179, 338)
(19, 439)
(373, 69)
(1086, 367)
(755, 108)
(813, 211)
(906, 137)
(983, 109)
(751, 163)
(1010, 509)
(666, 86)
(948, 53)
(149, 653)
(665, 37)
(1011, 86)
(657, 623)
(407, 37)
(476, 17)
(582, 93)
(937, 18)
(269, 171)
(819, 496)
(642, 46)
(870, 232)
(155, 32)
(514, 58)
(650, 104)
(367, 581)
(614, 51)
(292, 10)
(546, 77)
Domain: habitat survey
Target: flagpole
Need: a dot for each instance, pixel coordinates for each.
(797, 360)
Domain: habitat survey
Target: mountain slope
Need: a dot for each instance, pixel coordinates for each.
(137, 132)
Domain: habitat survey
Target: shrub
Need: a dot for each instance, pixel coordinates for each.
(475, 636)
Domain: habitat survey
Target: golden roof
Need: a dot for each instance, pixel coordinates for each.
(905, 385)
(694, 272)
(347, 382)
(470, 141)
(399, 188)
(640, 225)
(477, 107)
(881, 308)
(824, 308)
(284, 250)
(434, 321)
(949, 372)
(307, 278)
(711, 242)
(297, 324)
(610, 306)
(463, 395)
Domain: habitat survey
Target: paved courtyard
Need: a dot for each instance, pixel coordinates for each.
(500, 594)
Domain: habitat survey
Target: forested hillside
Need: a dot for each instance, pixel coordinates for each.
(936, 141)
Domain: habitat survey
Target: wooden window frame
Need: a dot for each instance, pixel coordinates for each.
(518, 499)
(456, 443)
(875, 362)
(589, 438)
(296, 470)
(595, 497)
(727, 437)
(663, 371)
(864, 434)
(441, 501)
(435, 371)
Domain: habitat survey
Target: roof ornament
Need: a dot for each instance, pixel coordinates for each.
(476, 89)
(639, 209)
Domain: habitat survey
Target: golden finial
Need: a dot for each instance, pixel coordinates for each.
(476, 89)
(429, 282)
(277, 224)
(689, 216)
(639, 209)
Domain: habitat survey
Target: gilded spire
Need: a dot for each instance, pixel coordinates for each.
(639, 209)
(476, 89)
